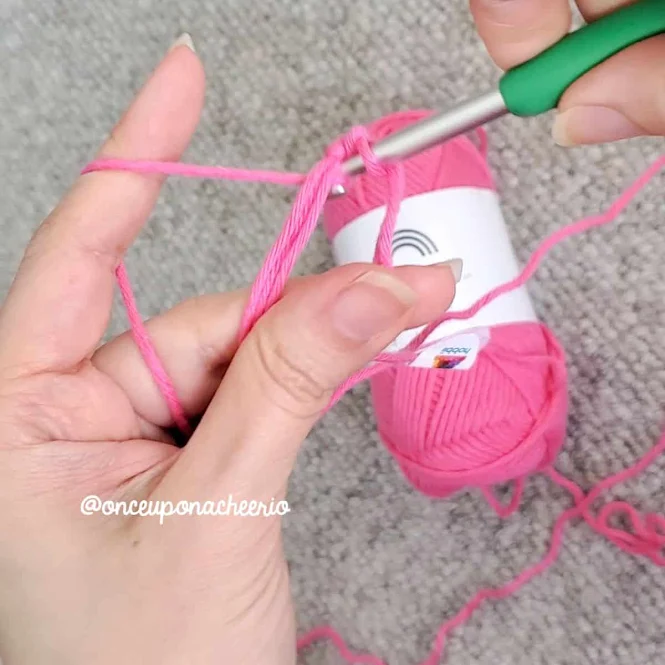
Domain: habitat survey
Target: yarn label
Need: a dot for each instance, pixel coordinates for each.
(457, 352)
(463, 222)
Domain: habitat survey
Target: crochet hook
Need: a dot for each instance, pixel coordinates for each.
(530, 89)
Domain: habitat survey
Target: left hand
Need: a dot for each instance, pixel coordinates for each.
(78, 420)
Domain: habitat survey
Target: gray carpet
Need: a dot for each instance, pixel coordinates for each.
(368, 554)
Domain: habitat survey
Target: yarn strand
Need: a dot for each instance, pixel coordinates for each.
(581, 508)
(194, 171)
(148, 352)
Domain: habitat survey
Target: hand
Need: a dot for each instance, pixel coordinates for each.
(78, 420)
(620, 99)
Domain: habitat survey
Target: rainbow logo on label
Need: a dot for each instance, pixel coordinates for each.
(414, 240)
(450, 357)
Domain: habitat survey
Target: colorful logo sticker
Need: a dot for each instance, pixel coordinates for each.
(450, 357)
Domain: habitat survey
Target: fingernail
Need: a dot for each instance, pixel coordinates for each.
(370, 305)
(456, 266)
(185, 39)
(592, 124)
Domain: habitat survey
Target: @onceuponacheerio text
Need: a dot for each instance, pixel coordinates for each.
(93, 504)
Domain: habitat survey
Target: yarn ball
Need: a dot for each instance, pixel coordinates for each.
(500, 420)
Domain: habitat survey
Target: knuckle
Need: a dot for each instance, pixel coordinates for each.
(297, 384)
(40, 242)
(57, 235)
(212, 354)
(113, 143)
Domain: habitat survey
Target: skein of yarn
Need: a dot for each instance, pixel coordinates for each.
(489, 404)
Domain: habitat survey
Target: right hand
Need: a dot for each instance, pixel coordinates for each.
(620, 99)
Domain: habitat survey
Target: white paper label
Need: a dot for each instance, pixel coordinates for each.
(457, 352)
(466, 223)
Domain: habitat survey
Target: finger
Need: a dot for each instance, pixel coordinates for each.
(595, 9)
(620, 99)
(195, 341)
(60, 302)
(515, 31)
(285, 372)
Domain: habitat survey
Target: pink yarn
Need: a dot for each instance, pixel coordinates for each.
(142, 339)
(501, 420)
(498, 450)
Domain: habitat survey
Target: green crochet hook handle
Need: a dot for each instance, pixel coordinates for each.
(537, 86)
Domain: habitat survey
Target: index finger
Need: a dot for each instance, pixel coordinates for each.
(58, 307)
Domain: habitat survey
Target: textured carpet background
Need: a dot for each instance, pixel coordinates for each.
(368, 554)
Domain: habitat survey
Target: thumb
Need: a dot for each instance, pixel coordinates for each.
(288, 367)
(620, 99)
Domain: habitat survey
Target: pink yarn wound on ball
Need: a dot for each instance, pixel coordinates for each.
(469, 456)
(501, 420)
